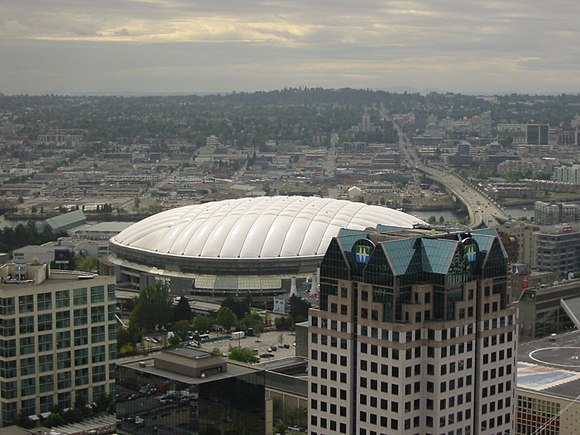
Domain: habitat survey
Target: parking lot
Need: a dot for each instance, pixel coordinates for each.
(261, 343)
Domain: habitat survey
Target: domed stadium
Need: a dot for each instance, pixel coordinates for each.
(258, 245)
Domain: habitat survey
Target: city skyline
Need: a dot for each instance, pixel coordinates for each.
(173, 47)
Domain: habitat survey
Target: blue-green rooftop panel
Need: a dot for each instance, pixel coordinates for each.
(437, 254)
(401, 255)
(484, 241)
(381, 228)
(350, 232)
(347, 239)
(485, 232)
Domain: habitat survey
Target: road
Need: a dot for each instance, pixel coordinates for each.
(483, 211)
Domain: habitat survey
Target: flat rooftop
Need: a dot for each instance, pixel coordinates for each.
(57, 277)
(551, 365)
(233, 370)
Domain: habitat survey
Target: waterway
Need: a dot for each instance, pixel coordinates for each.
(452, 216)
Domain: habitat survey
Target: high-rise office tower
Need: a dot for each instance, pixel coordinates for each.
(537, 134)
(415, 334)
(58, 339)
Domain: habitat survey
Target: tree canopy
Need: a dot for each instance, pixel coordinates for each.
(202, 323)
(86, 264)
(22, 235)
(243, 354)
(183, 310)
(181, 328)
(298, 309)
(226, 318)
(153, 307)
(240, 307)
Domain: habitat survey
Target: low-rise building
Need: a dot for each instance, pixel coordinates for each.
(548, 383)
(191, 391)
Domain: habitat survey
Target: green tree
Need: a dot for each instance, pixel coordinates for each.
(22, 420)
(174, 340)
(86, 264)
(240, 307)
(103, 402)
(280, 427)
(81, 404)
(284, 323)
(254, 321)
(123, 337)
(153, 306)
(182, 310)
(72, 415)
(210, 430)
(298, 309)
(243, 354)
(202, 323)
(127, 350)
(53, 419)
(135, 328)
(181, 328)
(226, 318)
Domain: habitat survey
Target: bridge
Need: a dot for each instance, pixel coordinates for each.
(483, 211)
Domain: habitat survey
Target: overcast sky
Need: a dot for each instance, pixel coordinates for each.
(190, 46)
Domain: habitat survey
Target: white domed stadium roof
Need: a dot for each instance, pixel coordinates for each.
(254, 228)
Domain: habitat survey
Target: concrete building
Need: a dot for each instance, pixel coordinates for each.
(101, 230)
(523, 233)
(537, 134)
(541, 310)
(415, 334)
(557, 248)
(48, 252)
(567, 174)
(58, 339)
(550, 213)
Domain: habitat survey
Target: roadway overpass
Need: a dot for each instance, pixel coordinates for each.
(482, 210)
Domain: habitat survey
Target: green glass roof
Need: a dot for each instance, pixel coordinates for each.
(381, 228)
(437, 254)
(347, 238)
(400, 254)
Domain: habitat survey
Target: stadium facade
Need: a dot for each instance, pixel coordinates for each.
(262, 246)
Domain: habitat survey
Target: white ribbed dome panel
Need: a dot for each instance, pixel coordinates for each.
(265, 227)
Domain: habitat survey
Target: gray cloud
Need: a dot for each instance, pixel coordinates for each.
(163, 46)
